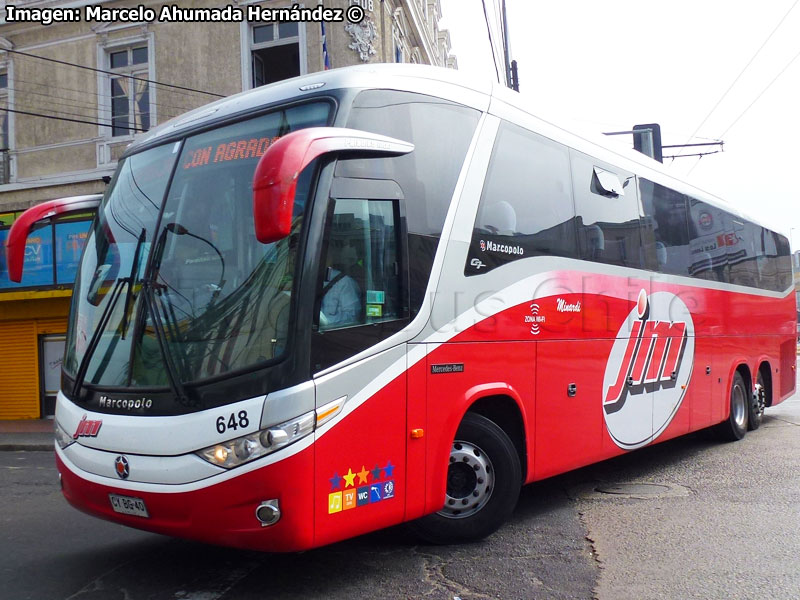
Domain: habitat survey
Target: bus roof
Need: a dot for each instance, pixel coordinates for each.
(436, 81)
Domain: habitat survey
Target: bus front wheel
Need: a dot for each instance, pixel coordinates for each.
(483, 483)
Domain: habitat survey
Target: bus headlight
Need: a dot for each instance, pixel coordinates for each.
(63, 439)
(255, 445)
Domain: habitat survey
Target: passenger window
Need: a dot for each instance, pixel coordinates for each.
(526, 206)
(712, 241)
(607, 211)
(745, 254)
(667, 229)
(784, 265)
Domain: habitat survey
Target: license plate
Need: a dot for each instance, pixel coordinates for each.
(127, 505)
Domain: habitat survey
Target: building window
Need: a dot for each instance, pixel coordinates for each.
(275, 52)
(398, 37)
(129, 94)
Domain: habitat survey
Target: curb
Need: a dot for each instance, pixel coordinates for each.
(26, 448)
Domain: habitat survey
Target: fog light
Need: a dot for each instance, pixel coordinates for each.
(268, 513)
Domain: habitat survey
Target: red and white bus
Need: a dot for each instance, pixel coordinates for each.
(389, 293)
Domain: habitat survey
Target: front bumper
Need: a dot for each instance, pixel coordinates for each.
(218, 510)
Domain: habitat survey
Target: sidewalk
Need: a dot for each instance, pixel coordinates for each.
(28, 435)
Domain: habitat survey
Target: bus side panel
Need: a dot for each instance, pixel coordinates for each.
(699, 401)
(569, 418)
(787, 372)
(360, 458)
(490, 370)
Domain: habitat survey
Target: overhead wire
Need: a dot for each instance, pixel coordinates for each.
(92, 108)
(96, 70)
(736, 80)
(85, 94)
(34, 114)
(491, 41)
(756, 99)
(764, 91)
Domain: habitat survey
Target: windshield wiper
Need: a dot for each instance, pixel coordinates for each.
(148, 293)
(132, 280)
(149, 290)
(98, 332)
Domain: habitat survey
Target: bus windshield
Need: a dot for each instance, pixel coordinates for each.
(173, 282)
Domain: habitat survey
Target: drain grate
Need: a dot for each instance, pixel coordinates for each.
(634, 490)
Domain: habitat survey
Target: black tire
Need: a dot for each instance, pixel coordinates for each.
(758, 402)
(735, 426)
(483, 484)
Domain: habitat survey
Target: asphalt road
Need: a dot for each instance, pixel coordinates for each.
(51, 551)
(725, 525)
(722, 523)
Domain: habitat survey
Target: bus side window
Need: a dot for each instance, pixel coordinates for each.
(361, 298)
(666, 231)
(526, 205)
(607, 213)
(441, 132)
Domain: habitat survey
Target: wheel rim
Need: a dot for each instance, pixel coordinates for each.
(738, 406)
(470, 481)
(759, 399)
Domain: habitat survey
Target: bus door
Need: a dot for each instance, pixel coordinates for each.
(362, 301)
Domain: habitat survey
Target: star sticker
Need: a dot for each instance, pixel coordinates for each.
(376, 473)
(388, 469)
(362, 475)
(336, 481)
(349, 478)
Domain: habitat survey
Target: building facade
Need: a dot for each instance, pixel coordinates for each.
(75, 93)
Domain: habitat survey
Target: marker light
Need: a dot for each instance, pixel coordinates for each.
(243, 449)
(331, 409)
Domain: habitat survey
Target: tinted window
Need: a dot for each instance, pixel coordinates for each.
(710, 240)
(361, 283)
(743, 253)
(783, 263)
(526, 205)
(607, 213)
(360, 294)
(441, 132)
(667, 231)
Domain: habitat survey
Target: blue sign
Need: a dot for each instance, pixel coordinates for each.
(70, 240)
(38, 269)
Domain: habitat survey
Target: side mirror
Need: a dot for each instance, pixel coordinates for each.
(18, 234)
(275, 179)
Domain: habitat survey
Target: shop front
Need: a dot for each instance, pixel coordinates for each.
(33, 314)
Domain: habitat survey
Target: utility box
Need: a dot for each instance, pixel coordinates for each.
(647, 140)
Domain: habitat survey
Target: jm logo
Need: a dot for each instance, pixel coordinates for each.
(652, 356)
(87, 428)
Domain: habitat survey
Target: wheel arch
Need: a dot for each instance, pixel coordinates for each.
(499, 402)
(504, 412)
(765, 370)
(747, 375)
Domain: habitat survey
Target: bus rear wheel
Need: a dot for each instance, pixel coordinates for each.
(483, 483)
(735, 426)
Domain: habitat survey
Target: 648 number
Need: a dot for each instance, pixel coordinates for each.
(234, 422)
